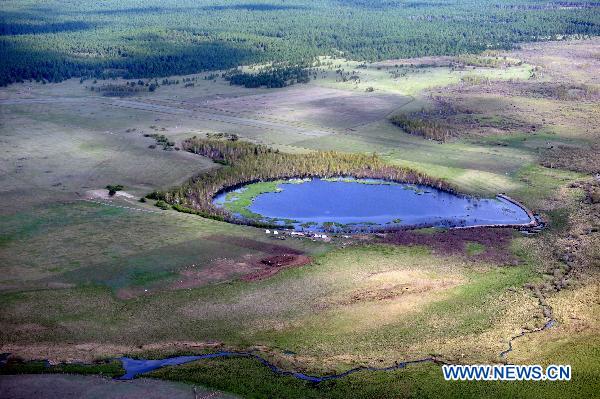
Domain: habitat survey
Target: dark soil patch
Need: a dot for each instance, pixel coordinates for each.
(253, 260)
(495, 242)
(217, 271)
(272, 265)
(271, 259)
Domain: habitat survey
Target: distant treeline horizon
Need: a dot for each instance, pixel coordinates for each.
(143, 39)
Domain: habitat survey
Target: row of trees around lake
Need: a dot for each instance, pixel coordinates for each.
(248, 163)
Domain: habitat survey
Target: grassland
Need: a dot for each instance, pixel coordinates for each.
(424, 381)
(349, 308)
(410, 78)
(86, 276)
(86, 243)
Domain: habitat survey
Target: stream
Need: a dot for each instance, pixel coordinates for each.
(135, 367)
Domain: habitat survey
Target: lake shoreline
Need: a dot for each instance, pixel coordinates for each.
(417, 206)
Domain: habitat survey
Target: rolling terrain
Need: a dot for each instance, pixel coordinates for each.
(88, 277)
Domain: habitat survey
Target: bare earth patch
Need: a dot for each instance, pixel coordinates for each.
(103, 194)
(250, 268)
(579, 159)
(272, 265)
(398, 290)
(271, 259)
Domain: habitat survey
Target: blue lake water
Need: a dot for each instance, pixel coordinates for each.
(316, 204)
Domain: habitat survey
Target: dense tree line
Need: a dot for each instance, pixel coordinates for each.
(247, 163)
(122, 90)
(270, 78)
(152, 38)
(421, 124)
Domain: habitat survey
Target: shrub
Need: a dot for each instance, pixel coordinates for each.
(162, 205)
(112, 189)
(421, 124)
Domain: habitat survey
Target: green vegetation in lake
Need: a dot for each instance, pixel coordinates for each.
(239, 200)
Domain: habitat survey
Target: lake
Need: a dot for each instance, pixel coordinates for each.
(348, 204)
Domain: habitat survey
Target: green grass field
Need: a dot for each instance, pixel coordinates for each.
(410, 80)
(86, 276)
(253, 380)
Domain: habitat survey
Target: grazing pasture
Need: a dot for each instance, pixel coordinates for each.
(89, 276)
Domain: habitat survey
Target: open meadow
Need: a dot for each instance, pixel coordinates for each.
(88, 277)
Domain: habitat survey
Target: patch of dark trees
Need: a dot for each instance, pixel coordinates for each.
(272, 78)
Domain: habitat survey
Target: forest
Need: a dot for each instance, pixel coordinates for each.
(142, 39)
